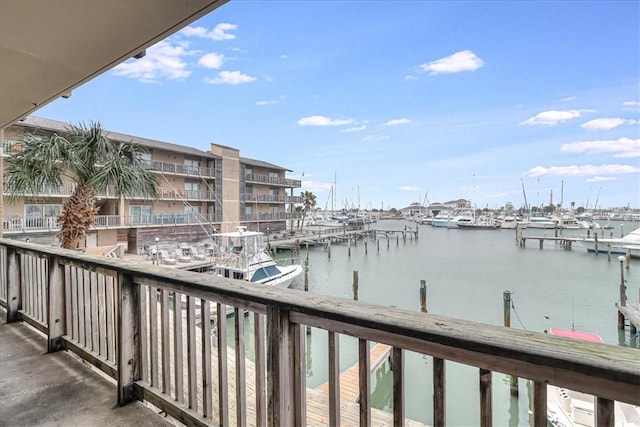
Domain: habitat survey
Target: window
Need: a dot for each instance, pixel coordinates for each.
(192, 190)
(193, 165)
(140, 214)
(248, 171)
(249, 189)
(274, 192)
(33, 210)
(273, 175)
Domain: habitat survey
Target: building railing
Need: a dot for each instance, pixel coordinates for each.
(67, 189)
(283, 182)
(179, 194)
(18, 224)
(269, 198)
(278, 216)
(181, 169)
(11, 147)
(138, 324)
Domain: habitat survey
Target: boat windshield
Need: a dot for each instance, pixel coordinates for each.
(265, 272)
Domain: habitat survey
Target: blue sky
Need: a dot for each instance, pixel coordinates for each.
(398, 100)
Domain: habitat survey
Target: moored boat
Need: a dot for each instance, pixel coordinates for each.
(627, 244)
(482, 223)
(568, 408)
(243, 255)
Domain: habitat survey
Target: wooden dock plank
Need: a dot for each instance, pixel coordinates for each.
(349, 382)
(631, 312)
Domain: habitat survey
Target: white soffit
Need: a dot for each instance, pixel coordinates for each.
(50, 47)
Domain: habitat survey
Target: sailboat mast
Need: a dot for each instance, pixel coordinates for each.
(524, 194)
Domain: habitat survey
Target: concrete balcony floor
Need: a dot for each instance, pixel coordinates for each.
(56, 389)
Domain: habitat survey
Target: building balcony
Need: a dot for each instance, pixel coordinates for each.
(137, 324)
(269, 198)
(281, 182)
(18, 224)
(67, 189)
(178, 194)
(278, 216)
(180, 169)
(10, 147)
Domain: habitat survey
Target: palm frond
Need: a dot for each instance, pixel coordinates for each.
(124, 168)
(40, 164)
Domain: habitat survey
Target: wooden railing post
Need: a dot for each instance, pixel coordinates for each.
(279, 379)
(604, 412)
(57, 309)
(14, 285)
(439, 393)
(486, 415)
(539, 404)
(299, 374)
(128, 324)
(397, 366)
(364, 375)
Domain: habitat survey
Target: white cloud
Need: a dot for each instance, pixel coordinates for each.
(355, 129)
(220, 32)
(568, 98)
(211, 60)
(396, 122)
(270, 101)
(621, 148)
(370, 138)
(323, 121)
(163, 60)
(464, 60)
(553, 117)
(409, 188)
(584, 170)
(631, 103)
(606, 123)
(601, 179)
(230, 78)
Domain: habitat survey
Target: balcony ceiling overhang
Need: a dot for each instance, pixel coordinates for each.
(50, 47)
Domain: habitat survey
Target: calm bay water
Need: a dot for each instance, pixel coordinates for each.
(466, 273)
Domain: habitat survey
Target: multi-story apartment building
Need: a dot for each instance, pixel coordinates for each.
(199, 192)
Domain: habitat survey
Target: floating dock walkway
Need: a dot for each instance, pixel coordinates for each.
(349, 382)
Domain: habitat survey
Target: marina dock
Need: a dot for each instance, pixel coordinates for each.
(349, 382)
(630, 313)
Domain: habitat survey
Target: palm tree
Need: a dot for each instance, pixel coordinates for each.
(91, 160)
(298, 209)
(308, 203)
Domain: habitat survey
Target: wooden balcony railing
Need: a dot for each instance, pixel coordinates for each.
(142, 325)
(269, 198)
(283, 182)
(180, 169)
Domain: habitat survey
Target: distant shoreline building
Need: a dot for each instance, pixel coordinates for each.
(200, 192)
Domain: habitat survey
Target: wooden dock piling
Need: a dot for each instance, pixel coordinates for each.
(355, 285)
(423, 296)
(506, 296)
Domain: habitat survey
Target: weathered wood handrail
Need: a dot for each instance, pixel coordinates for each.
(144, 350)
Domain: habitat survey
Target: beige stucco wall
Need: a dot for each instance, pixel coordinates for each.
(230, 186)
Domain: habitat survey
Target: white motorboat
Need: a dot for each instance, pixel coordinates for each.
(243, 255)
(629, 243)
(539, 221)
(568, 408)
